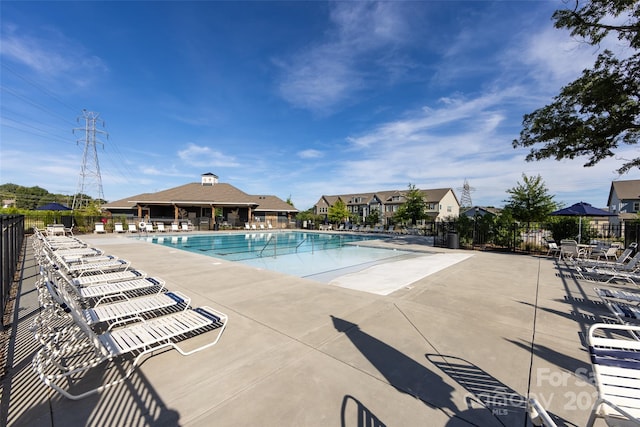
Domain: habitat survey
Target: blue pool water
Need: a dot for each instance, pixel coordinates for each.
(318, 256)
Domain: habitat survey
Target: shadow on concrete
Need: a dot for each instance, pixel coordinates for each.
(355, 414)
(410, 377)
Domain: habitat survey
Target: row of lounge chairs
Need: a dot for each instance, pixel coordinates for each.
(614, 348)
(98, 310)
(118, 227)
(375, 229)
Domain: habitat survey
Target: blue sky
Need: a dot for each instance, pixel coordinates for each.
(295, 99)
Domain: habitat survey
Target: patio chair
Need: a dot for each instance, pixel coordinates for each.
(160, 227)
(149, 228)
(110, 277)
(569, 250)
(61, 362)
(131, 228)
(115, 302)
(117, 228)
(103, 264)
(175, 226)
(621, 260)
(624, 312)
(99, 228)
(617, 294)
(77, 253)
(105, 287)
(553, 248)
(615, 359)
(132, 308)
(185, 226)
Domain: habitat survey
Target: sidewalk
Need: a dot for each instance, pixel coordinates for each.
(466, 345)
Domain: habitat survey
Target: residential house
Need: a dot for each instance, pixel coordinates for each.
(624, 200)
(478, 211)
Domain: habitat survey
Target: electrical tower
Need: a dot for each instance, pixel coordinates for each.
(465, 199)
(90, 180)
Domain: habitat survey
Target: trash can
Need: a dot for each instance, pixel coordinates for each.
(453, 242)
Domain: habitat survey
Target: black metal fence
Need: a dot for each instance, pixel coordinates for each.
(489, 234)
(11, 240)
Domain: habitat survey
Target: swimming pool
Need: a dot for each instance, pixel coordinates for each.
(318, 256)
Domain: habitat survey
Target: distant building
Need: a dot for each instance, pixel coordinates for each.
(477, 211)
(441, 203)
(198, 201)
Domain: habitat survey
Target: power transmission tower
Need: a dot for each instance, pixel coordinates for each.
(90, 179)
(465, 199)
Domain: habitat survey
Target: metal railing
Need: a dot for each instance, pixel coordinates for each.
(11, 240)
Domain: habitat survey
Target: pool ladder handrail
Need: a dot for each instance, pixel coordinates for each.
(275, 248)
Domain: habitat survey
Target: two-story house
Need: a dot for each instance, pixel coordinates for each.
(624, 201)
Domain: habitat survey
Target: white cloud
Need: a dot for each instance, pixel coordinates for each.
(50, 53)
(331, 71)
(200, 156)
(310, 154)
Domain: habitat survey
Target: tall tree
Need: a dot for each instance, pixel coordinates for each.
(338, 212)
(414, 207)
(530, 200)
(599, 111)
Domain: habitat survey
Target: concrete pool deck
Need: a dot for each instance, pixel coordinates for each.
(465, 345)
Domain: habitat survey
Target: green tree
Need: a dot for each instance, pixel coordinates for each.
(599, 111)
(414, 208)
(530, 200)
(31, 197)
(338, 212)
(373, 218)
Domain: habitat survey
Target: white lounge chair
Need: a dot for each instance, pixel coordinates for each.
(539, 415)
(160, 227)
(117, 227)
(185, 226)
(99, 228)
(85, 266)
(615, 359)
(149, 228)
(134, 307)
(131, 228)
(61, 360)
(111, 277)
(175, 227)
(619, 261)
(628, 271)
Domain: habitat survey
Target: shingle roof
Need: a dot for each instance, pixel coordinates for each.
(272, 204)
(625, 190)
(432, 195)
(195, 193)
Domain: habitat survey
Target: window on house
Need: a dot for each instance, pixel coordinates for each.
(449, 209)
(636, 206)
